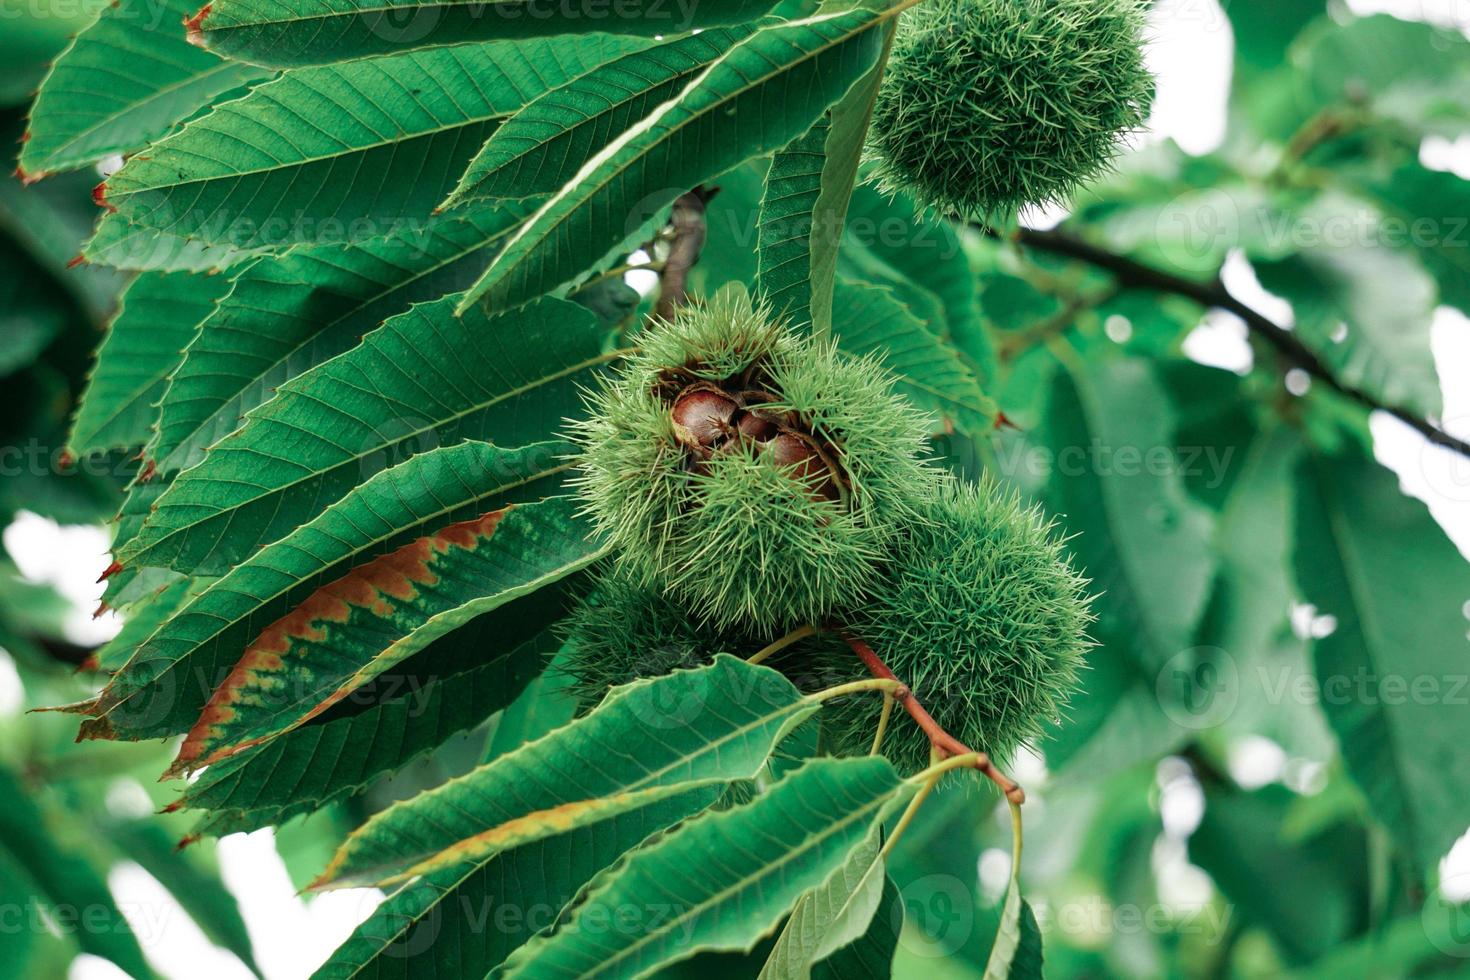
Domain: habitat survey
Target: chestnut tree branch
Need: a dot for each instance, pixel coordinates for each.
(1132, 274)
(688, 233)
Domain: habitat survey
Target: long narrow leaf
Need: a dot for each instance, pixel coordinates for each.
(769, 852)
(343, 152)
(379, 614)
(158, 317)
(870, 320)
(763, 93)
(170, 677)
(288, 33)
(542, 147)
(285, 316)
(804, 210)
(425, 378)
(124, 81)
(463, 922)
(452, 686)
(715, 724)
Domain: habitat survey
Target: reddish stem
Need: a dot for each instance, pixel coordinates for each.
(945, 743)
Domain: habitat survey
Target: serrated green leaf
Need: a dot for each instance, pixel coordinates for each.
(287, 33)
(121, 244)
(771, 851)
(830, 917)
(804, 209)
(870, 957)
(129, 587)
(144, 616)
(381, 613)
(870, 321)
(463, 922)
(544, 706)
(1140, 538)
(711, 725)
(158, 317)
(287, 315)
(452, 686)
(171, 676)
(541, 148)
(124, 81)
(762, 94)
(1376, 561)
(787, 233)
(921, 254)
(1016, 952)
(343, 152)
(425, 378)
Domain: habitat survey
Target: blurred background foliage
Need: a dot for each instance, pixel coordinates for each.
(1208, 810)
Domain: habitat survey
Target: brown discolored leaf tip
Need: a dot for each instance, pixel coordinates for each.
(86, 707)
(76, 261)
(186, 841)
(1003, 421)
(194, 26)
(97, 729)
(66, 460)
(91, 665)
(394, 576)
(99, 197)
(102, 609)
(148, 470)
(111, 570)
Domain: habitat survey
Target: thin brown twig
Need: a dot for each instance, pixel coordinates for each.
(1132, 274)
(688, 227)
(945, 743)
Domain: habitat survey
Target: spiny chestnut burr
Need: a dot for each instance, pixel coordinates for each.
(620, 630)
(987, 106)
(757, 475)
(982, 615)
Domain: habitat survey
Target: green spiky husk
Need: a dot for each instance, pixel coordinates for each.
(734, 532)
(985, 619)
(987, 106)
(621, 631)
